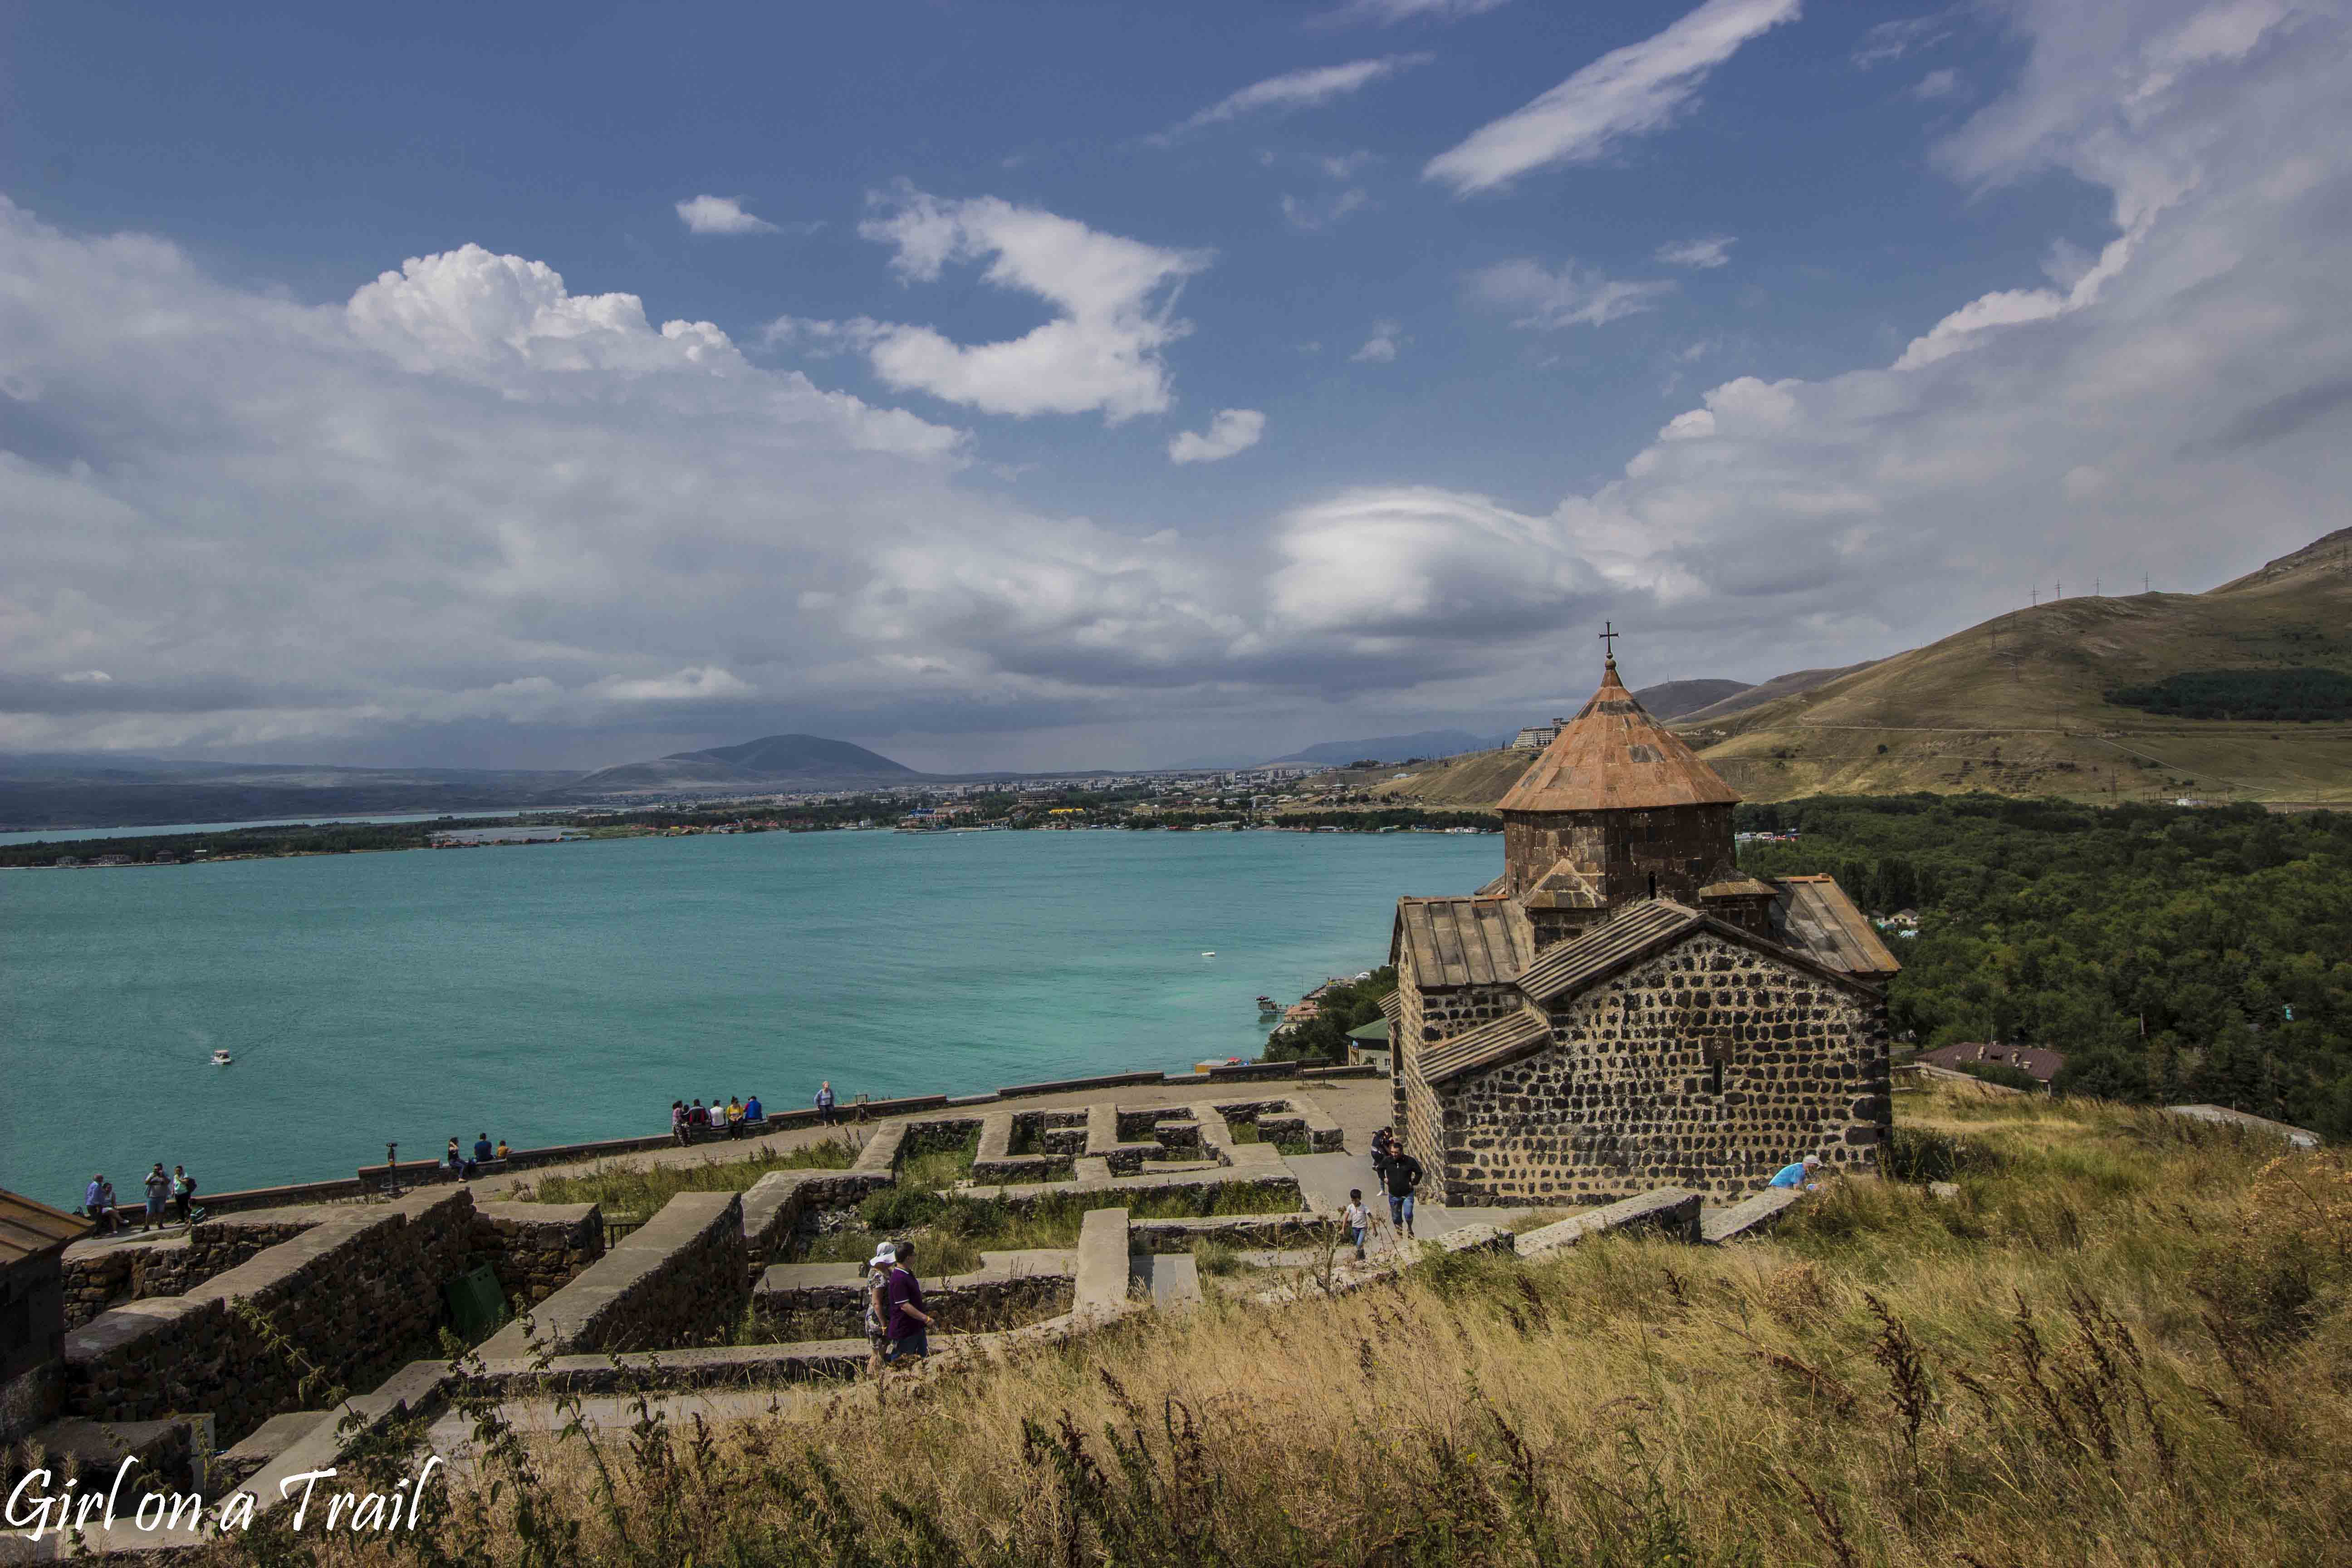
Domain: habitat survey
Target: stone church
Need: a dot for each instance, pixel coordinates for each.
(1622, 1009)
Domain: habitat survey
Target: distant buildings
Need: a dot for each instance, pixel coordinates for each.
(1536, 737)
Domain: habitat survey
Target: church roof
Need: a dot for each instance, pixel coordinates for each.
(1816, 918)
(1462, 942)
(1490, 1044)
(1633, 931)
(1612, 756)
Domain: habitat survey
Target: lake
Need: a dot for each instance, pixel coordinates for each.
(558, 993)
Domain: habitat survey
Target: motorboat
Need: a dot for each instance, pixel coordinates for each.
(221, 1058)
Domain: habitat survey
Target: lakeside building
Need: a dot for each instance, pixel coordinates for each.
(1621, 1007)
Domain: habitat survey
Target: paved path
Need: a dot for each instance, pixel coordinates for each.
(452, 1435)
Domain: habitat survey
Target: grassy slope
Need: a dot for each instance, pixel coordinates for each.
(2015, 706)
(2125, 1342)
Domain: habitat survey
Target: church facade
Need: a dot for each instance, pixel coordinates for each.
(1622, 1009)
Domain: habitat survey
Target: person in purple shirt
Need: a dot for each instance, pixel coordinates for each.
(909, 1325)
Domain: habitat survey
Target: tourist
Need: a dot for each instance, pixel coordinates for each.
(451, 1158)
(93, 1202)
(481, 1149)
(106, 1204)
(1403, 1173)
(752, 1110)
(909, 1325)
(677, 1123)
(696, 1116)
(503, 1149)
(183, 1192)
(1799, 1174)
(159, 1193)
(734, 1117)
(1359, 1220)
(877, 1304)
(825, 1103)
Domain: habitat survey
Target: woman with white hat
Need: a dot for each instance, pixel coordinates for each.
(877, 1308)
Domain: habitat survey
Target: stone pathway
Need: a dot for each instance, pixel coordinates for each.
(452, 1435)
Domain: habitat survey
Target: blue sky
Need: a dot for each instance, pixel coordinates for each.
(1102, 384)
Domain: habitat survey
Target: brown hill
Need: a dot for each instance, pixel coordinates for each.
(2017, 705)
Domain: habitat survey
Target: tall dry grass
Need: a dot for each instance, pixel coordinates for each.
(2126, 1340)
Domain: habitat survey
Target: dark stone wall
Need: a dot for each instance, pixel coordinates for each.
(1624, 1099)
(1682, 847)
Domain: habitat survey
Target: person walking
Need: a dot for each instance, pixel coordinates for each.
(909, 1325)
(877, 1305)
(183, 1193)
(825, 1103)
(1359, 1220)
(1402, 1175)
(159, 1193)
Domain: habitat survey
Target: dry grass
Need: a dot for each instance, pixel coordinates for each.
(630, 1191)
(2127, 1341)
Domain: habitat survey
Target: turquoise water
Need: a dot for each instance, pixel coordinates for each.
(559, 992)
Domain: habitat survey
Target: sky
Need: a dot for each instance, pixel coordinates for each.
(1114, 384)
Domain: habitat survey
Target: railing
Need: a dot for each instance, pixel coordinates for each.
(615, 1229)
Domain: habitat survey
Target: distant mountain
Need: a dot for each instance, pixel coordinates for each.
(770, 761)
(1672, 698)
(1795, 683)
(1391, 748)
(68, 790)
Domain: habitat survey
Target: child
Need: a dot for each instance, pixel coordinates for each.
(1359, 1220)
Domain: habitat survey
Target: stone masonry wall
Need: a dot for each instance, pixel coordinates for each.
(1680, 848)
(350, 1296)
(1622, 1100)
(537, 1248)
(104, 1277)
(681, 1279)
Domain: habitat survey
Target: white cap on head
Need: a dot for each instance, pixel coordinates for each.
(1811, 1160)
(885, 1253)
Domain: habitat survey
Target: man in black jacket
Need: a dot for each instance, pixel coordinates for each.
(1400, 1175)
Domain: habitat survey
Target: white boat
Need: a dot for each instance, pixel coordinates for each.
(221, 1059)
(1211, 953)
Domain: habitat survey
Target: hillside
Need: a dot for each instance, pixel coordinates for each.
(65, 791)
(771, 761)
(1388, 748)
(2129, 1322)
(1672, 698)
(2018, 705)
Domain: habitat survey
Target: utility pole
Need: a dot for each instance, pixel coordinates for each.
(2143, 581)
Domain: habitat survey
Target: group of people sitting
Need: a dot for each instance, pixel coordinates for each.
(466, 1163)
(731, 1119)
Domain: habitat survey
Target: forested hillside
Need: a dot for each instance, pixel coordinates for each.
(2175, 955)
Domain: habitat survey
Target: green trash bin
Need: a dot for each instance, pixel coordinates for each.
(477, 1304)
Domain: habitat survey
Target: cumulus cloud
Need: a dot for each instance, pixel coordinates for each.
(1307, 88)
(698, 683)
(1113, 298)
(1571, 297)
(1938, 85)
(1381, 347)
(1630, 91)
(1702, 254)
(721, 214)
(1233, 430)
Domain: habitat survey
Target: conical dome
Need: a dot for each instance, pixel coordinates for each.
(1612, 756)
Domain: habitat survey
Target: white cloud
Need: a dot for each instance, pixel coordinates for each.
(1312, 214)
(1233, 430)
(1114, 302)
(1381, 347)
(85, 678)
(1938, 85)
(1571, 297)
(1388, 12)
(1630, 91)
(1903, 36)
(1296, 89)
(721, 214)
(698, 683)
(1702, 254)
